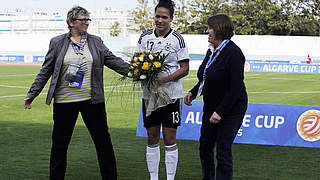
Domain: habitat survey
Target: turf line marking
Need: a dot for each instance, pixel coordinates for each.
(296, 79)
(291, 79)
(252, 74)
(11, 96)
(107, 87)
(19, 87)
(122, 91)
(302, 92)
(16, 75)
(20, 95)
(22, 87)
(189, 79)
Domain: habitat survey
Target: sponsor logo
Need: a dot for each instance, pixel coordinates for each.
(246, 67)
(308, 125)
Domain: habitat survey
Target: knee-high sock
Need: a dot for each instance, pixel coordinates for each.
(171, 160)
(153, 159)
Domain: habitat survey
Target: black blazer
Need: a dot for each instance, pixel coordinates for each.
(224, 91)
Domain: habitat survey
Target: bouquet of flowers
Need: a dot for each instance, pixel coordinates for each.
(145, 68)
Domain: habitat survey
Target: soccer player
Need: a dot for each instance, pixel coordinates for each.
(168, 41)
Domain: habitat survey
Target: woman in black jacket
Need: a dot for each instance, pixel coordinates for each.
(225, 99)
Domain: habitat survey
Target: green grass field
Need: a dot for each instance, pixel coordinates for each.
(25, 135)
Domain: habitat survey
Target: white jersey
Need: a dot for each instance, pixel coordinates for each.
(172, 44)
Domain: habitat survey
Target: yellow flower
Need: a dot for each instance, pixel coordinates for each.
(145, 66)
(134, 64)
(141, 57)
(157, 64)
(136, 71)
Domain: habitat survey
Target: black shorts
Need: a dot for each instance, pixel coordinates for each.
(168, 116)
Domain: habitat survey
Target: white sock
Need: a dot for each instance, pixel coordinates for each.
(171, 160)
(153, 159)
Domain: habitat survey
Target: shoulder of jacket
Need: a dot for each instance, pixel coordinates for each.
(94, 37)
(235, 47)
(59, 37)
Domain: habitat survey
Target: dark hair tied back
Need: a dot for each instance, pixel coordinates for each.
(168, 4)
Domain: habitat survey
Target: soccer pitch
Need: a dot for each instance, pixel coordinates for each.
(25, 135)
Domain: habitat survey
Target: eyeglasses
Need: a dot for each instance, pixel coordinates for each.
(84, 20)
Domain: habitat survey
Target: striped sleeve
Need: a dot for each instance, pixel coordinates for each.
(144, 34)
(182, 44)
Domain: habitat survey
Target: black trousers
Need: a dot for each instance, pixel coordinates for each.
(221, 136)
(94, 116)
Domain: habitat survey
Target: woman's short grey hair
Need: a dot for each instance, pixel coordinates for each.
(74, 12)
(222, 26)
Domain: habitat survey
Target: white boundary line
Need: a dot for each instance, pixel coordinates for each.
(127, 91)
(20, 95)
(23, 87)
(1, 97)
(302, 92)
(16, 75)
(291, 79)
(19, 87)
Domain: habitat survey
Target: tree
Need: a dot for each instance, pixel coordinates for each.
(250, 17)
(299, 16)
(257, 17)
(316, 12)
(315, 6)
(115, 29)
(143, 16)
(201, 10)
(181, 19)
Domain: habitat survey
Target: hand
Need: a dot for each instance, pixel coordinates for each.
(27, 104)
(215, 118)
(188, 99)
(163, 80)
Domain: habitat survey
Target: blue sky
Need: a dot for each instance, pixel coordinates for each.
(67, 4)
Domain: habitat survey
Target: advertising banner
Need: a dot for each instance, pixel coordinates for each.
(21, 59)
(267, 124)
(9, 58)
(282, 67)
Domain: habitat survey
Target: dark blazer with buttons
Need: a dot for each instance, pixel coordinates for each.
(224, 91)
(54, 59)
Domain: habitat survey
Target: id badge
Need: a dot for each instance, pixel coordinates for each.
(72, 72)
(78, 82)
(200, 89)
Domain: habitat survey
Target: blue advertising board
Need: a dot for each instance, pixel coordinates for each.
(10, 58)
(266, 124)
(38, 59)
(21, 59)
(283, 67)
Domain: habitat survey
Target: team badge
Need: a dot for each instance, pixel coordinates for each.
(308, 125)
(167, 47)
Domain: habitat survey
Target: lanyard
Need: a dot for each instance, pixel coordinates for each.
(78, 50)
(210, 61)
(81, 56)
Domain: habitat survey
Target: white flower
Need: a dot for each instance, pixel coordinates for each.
(129, 74)
(150, 57)
(135, 59)
(143, 76)
(141, 59)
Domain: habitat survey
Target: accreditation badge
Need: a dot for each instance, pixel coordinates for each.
(78, 82)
